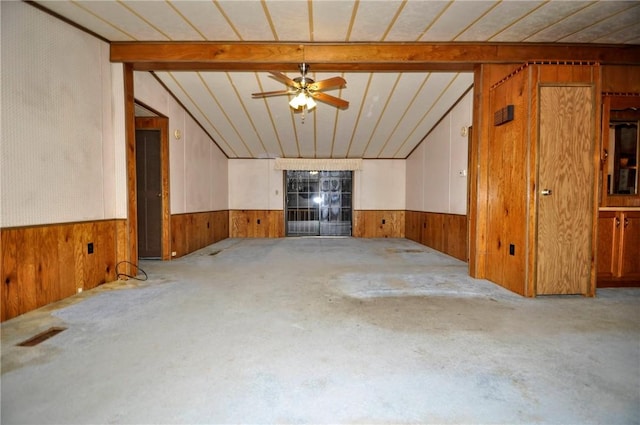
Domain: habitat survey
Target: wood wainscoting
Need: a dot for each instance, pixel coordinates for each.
(443, 232)
(256, 223)
(46, 263)
(378, 224)
(192, 231)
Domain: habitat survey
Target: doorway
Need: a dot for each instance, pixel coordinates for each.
(318, 203)
(152, 188)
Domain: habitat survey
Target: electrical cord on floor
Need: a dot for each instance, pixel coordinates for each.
(128, 276)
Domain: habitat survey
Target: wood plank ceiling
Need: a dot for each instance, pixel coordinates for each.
(389, 112)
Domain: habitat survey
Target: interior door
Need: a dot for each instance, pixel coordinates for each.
(149, 187)
(565, 190)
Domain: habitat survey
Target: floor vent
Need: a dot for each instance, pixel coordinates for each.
(42, 336)
(402, 251)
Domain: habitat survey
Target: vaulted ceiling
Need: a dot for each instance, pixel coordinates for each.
(390, 110)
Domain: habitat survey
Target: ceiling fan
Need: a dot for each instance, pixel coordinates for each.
(306, 90)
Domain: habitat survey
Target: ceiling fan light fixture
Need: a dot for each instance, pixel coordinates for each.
(302, 100)
(298, 101)
(310, 103)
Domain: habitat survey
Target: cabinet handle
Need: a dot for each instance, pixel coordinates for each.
(617, 222)
(626, 222)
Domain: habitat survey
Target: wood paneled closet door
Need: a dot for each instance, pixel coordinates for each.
(565, 189)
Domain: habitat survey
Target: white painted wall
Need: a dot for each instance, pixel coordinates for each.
(61, 154)
(119, 136)
(436, 168)
(198, 170)
(415, 172)
(255, 184)
(460, 117)
(434, 180)
(380, 185)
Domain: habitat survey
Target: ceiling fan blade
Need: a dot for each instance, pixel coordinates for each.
(273, 93)
(284, 79)
(329, 83)
(332, 100)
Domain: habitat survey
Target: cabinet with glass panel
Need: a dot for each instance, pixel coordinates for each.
(621, 151)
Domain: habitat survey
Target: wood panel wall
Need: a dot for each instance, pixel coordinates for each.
(443, 232)
(192, 231)
(256, 223)
(456, 236)
(378, 224)
(44, 264)
(507, 185)
(485, 76)
(620, 79)
(413, 222)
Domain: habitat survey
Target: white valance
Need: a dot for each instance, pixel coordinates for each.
(318, 164)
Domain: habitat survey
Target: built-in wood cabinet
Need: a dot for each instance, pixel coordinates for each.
(619, 248)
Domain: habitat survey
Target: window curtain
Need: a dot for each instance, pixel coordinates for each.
(313, 164)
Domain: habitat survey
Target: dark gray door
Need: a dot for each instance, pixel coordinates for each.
(149, 186)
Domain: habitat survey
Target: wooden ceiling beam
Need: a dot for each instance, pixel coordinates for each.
(293, 67)
(357, 56)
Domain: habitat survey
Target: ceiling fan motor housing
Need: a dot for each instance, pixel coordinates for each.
(303, 80)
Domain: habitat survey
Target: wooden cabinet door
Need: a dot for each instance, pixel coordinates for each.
(608, 241)
(630, 247)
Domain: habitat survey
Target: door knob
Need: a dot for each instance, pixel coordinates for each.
(546, 192)
(159, 195)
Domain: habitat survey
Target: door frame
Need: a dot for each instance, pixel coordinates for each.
(160, 123)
